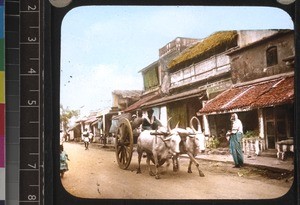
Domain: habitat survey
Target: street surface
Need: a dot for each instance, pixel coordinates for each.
(94, 173)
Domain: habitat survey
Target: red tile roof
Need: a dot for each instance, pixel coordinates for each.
(262, 94)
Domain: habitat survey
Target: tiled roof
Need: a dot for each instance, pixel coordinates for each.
(139, 103)
(261, 94)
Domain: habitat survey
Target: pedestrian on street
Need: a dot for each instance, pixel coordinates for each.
(63, 161)
(86, 138)
(235, 137)
(61, 137)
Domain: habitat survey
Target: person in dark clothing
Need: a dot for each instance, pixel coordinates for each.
(235, 137)
(150, 122)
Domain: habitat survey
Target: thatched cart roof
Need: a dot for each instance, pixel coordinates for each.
(215, 43)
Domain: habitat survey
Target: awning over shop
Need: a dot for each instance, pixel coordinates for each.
(139, 103)
(124, 115)
(176, 97)
(252, 96)
(91, 120)
(95, 123)
(74, 126)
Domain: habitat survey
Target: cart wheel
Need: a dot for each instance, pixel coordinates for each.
(124, 143)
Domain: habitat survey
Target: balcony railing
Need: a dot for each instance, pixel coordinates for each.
(203, 70)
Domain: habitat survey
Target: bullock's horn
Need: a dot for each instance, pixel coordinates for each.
(191, 132)
(199, 125)
(183, 133)
(166, 138)
(177, 124)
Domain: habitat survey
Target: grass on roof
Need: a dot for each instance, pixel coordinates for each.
(215, 43)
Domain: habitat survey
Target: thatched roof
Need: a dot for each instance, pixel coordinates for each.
(215, 43)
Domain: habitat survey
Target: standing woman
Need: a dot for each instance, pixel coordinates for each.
(236, 134)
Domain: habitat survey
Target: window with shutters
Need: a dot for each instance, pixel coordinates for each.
(271, 55)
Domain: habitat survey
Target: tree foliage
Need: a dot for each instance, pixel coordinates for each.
(65, 115)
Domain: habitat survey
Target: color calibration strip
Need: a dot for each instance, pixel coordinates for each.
(2, 105)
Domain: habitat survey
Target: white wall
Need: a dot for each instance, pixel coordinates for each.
(163, 116)
(250, 36)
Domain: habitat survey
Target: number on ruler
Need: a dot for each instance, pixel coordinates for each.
(32, 166)
(31, 8)
(31, 71)
(31, 102)
(31, 197)
(31, 39)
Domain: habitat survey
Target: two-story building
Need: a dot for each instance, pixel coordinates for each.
(262, 93)
(157, 80)
(220, 74)
(199, 73)
(124, 98)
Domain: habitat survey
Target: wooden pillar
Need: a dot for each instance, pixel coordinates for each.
(94, 133)
(104, 124)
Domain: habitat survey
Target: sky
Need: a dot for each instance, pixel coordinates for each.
(103, 48)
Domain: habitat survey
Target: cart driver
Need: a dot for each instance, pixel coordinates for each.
(150, 122)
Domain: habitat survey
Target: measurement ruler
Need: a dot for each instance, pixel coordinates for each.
(23, 57)
(31, 143)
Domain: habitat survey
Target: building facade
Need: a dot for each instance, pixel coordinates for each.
(198, 73)
(229, 71)
(262, 93)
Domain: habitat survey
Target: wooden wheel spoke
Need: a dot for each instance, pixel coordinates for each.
(124, 144)
(124, 157)
(119, 150)
(121, 131)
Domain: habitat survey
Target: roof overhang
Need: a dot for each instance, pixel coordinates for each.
(137, 105)
(175, 97)
(247, 97)
(155, 63)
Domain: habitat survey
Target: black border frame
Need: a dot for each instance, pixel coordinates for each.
(55, 194)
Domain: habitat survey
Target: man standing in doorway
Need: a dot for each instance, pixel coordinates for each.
(235, 138)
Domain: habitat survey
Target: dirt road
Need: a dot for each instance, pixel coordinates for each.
(94, 173)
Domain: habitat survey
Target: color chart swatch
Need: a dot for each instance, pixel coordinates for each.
(2, 105)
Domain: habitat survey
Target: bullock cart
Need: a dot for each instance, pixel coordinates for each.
(124, 141)
(126, 132)
(126, 136)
